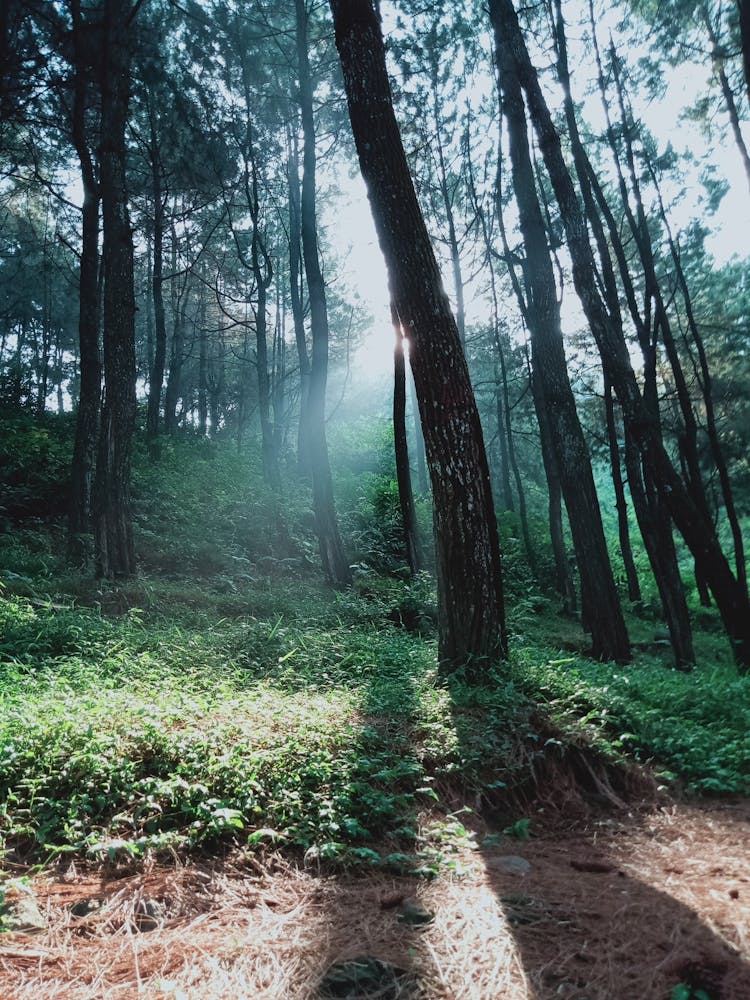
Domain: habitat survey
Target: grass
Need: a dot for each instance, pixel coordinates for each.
(324, 731)
(227, 695)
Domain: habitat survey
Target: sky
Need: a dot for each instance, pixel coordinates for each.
(353, 234)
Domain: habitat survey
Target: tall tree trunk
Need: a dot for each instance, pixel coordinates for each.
(554, 506)
(115, 554)
(177, 346)
(552, 392)
(470, 594)
(87, 416)
(706, 386)
(653, 520)
(623, 529)
(156, 375)
(401, 448)
(656, 530)
(295, 292)
(202, 366)
(335, 564)
(698, 532)
(502, 406)
(263, 274)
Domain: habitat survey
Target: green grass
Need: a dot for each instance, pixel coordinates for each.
(323, 731)
(227, 694)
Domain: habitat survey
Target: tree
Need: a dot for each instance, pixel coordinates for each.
(115, 553)
(401, 448)
(553, 395)
(698, 532)
(470, 594)
(87, 417)
(331, 550)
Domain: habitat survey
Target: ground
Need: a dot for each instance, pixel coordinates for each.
(646, 903)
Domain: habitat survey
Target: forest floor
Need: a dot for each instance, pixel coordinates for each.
(647, 903)
(221, 779)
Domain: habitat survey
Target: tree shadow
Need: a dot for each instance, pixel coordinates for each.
(584, 889)
(586, 926)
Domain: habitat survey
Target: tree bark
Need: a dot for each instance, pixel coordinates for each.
(115, 554)
(335, 564)
(699, 534)
(470, 594)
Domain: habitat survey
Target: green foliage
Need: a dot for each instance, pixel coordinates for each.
(35, 458)
(694, 727)
(229, 695)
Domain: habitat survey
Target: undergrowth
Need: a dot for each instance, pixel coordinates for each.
(226, 694)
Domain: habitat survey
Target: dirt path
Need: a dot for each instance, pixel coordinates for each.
(624, 906)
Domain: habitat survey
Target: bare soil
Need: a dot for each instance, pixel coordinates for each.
(619, 906)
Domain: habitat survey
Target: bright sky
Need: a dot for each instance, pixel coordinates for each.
(352, 230)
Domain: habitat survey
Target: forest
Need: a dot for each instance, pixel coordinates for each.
(374, 494)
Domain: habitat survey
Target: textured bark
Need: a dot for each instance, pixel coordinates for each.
(335, 564)
(115, 555)
(87, 416)
(699, 534)
(470, 597)
(401, 448)
(553, 395)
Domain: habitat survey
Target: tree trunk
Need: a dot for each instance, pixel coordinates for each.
(298, 317)
(706, 386)
(656, 530)
(156, 375)
(699, 534)
(401, 447)
(623, 529)
(335, 564)
(263, 275)
(203, 366)
(115, 554)
(552, 392)
(655, 524)
(87, 416)
(470, 595)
